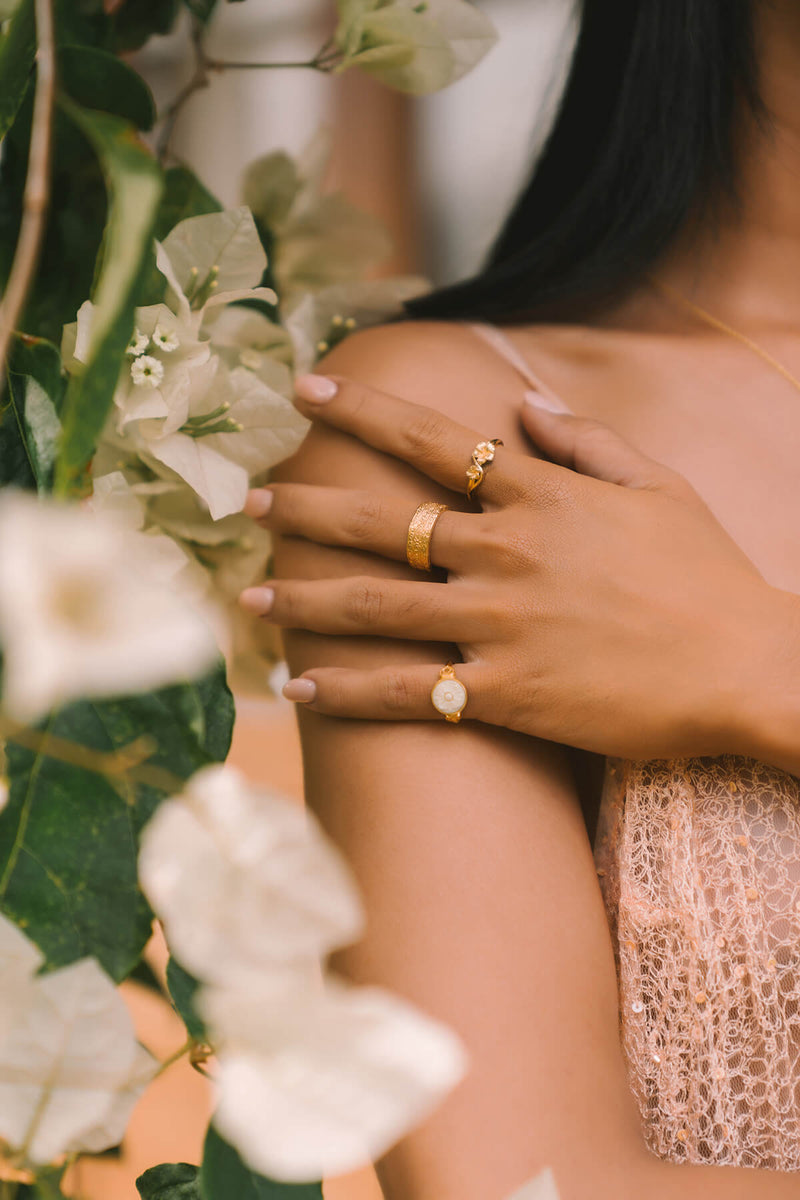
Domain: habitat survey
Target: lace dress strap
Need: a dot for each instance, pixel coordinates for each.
(503, 345)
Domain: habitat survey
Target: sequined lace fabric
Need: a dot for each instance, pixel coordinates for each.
(699, 862)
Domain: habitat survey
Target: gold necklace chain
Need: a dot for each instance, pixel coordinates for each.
(723, 328)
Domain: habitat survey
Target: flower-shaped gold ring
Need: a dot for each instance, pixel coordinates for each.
(482, 455)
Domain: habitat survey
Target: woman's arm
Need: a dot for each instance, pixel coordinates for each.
(483, 904)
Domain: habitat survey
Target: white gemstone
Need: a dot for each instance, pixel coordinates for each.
(449, 696)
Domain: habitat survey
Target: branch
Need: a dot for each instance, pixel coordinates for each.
(323, 60)
(126, 763)
(34, 204)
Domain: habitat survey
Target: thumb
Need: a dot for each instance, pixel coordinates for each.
(588, 446)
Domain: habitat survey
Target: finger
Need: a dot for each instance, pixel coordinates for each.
(426, 439)
(389, 693)
(590, 447)
(372, 607)
(364, 521)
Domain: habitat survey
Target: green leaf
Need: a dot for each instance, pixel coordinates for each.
(135, 184)
(69, 838)
(184, 196)
(224, 1176)
(41, 428)
(17, 53)
(16, 466)
(182, 987)
(99, 80)
(137, 20)
(169, 1181)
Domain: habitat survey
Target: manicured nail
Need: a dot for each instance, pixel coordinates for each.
(257, 600)
(258, 503)
(316, 389)
(302, 691)
(548, 403)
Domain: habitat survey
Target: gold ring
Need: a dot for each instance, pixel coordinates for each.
(420, 532)
(449, 696)
(482, 455)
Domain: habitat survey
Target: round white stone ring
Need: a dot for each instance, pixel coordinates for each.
(449, 696)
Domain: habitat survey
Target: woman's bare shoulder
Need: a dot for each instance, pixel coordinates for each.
(442, 364)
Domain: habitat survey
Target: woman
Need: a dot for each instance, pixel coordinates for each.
(632, 594)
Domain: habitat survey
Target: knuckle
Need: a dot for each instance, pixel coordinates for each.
(394, 691)
(362, 520)
(424, 432)
(364, 603)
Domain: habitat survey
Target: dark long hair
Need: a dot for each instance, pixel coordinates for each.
(644, 133)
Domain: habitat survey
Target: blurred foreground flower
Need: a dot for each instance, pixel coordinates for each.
(317, 1081)
(85, 610)
(543, 1187)
(19, 960)
(71, 1069)
(318, 238)
(414, 46)
(244, 882)
(314, 1076)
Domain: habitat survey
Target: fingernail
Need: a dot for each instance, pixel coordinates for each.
(548, 403)
(258, 503)
(317, 389)
(302, 691)
(257, 600)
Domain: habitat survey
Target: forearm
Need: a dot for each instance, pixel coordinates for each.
(767, 721)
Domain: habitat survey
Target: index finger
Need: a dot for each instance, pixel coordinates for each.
(426, 439)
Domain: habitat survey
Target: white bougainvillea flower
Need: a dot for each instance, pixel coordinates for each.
(84, 610)
(320, 1080)
(210, 260)
(243, 880)
(71, 1069)
(412, 46)
(147, 371)
(543, 1187)
(320, 238)
(19, 961)
(317, 321)
(240, 426)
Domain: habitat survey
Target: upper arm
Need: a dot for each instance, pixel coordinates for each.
(472, 855)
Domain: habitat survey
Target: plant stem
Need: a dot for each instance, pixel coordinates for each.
(176, 1056)
(34, 204)
(125, 763)
(215, 64)
(323, 60)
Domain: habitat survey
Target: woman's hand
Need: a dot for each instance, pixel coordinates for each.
(596, 601)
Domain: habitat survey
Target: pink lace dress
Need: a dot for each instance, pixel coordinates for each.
(699, 863)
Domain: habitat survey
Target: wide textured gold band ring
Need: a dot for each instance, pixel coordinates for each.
(449, 695)
(420, 532)
(482, 455)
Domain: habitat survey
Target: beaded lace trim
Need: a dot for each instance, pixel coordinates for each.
(699, 861)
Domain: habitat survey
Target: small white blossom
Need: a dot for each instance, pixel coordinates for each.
(315, 1081)
(85, 609)
(244, 881)
(147, 371)
(71, 1069)
(138, 343)
(165, 339)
